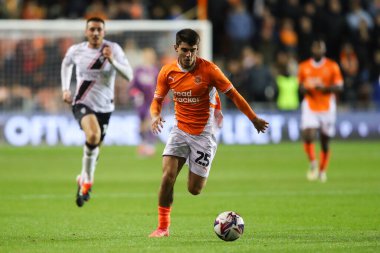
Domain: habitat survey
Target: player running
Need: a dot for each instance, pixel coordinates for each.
(97, 60)
(192, 80)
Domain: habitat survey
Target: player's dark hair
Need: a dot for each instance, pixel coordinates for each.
(95, 19)
(188, 36)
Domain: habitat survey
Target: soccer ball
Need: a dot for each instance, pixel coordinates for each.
(229, 226)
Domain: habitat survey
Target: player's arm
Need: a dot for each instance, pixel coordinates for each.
(337, 78)
(161, 91)
(66, 72)
(329, 89)
(260, 124)
(155, 114)
(304, 90)
(118, 61)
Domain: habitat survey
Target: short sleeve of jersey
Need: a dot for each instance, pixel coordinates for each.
(220, 81)
(162, 87)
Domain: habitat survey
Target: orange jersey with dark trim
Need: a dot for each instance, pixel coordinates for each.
(193, 92)
(326, 73)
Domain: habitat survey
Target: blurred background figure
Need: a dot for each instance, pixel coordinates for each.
(319, 79)
(260, 81)
(287, 83)
(142, 92)
(240, 27)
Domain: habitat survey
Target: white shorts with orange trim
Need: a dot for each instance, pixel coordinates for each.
(199, 150)
(321, 120)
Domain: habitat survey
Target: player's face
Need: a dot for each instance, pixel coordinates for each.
(186, 54)
(95, 33)
(318, 49)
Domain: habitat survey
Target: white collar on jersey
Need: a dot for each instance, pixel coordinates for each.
(185, 70)
(317, 64)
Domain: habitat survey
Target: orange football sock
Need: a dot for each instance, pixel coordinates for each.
(324, 160)
(310, 150)
(163, 217)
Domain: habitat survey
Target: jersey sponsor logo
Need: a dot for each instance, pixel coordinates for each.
(312, 82)
(185, 97)
(197, 79)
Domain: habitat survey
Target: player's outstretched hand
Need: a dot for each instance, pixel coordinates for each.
(157, 124)
(66, 97)
(260, 125)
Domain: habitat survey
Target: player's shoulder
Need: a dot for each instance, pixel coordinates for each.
(204, 62)
(170, 66)
(305, 63)
(331, 62)
(112, 44)
(78, 46)
(206, 65)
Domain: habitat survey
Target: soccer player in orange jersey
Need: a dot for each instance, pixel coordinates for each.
(194, 83)
(319, 79)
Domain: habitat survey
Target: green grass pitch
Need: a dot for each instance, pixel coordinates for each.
(267, 185)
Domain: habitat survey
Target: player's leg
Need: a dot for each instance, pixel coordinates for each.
(324, 156)
(196, 183)
(308, 137)
(309, 126)
(171, 167)
(203, 150)
(174, 157)
(92, 132)
(327, 131)
(90, 126)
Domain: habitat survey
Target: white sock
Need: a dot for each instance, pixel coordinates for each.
(89, 164)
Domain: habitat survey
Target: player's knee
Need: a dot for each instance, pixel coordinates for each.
(307, 137)
(93, 138)
(195, 190)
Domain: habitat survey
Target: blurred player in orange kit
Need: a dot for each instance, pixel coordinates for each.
(319, 79)
(194, 83)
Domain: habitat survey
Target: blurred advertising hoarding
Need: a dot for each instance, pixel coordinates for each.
(62, 129)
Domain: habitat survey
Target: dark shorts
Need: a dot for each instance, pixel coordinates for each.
(80, 110)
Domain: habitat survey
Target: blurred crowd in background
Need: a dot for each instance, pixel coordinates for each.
(257, 43)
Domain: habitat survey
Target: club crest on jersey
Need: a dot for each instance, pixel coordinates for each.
(83, 110)
(197, 79)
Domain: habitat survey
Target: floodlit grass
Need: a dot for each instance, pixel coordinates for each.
(265, 184)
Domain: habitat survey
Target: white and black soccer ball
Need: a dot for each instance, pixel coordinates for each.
(229, 226)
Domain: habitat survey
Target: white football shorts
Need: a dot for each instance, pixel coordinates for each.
(199, 150)
(321, 120)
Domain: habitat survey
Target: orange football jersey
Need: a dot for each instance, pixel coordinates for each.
(192, 91)
(326, 73)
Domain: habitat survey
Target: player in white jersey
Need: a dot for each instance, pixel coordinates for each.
(97, 61)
